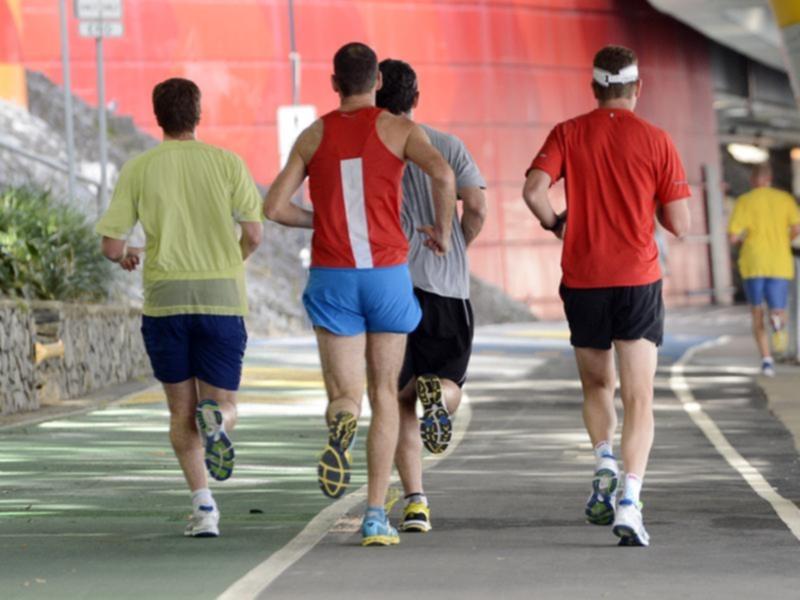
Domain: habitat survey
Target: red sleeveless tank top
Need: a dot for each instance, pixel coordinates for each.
(355, 186)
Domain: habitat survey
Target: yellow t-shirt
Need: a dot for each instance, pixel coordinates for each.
(765, 214)
(188, 196)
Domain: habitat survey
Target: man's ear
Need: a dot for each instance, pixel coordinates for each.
(378, 81)
(594, 90)
(335, 85)
(416, 100)
(638, 88)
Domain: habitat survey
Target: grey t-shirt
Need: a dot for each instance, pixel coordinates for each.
(446, 275)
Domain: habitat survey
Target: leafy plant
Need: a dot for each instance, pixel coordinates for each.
(48, 251)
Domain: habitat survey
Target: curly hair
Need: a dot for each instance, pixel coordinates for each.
(613, 59)
(399, 89)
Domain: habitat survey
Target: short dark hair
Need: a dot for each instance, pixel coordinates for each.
(176, 103)
(613, 59)
(399, 89)
(355, 67)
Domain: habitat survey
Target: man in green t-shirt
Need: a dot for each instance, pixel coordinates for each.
(188, 197)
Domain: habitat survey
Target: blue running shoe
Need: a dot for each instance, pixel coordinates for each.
(218, 446)
(600, 506)
(375, 532)
(333, 469)
(435, 426)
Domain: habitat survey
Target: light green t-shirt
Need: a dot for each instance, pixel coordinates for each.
(187, 196)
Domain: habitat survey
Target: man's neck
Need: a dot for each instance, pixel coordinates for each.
(351, 103)
(619, 104)
(180, 137)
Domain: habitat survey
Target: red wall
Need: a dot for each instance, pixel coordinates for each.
(498, 74)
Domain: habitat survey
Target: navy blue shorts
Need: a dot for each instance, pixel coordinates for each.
(773, 290)
(353, 301)
(208, 347)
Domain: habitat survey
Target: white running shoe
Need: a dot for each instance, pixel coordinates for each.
(203, 523)
(768, 368)
(629, 526)
(600, 505)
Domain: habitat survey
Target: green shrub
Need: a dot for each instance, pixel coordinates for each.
(48, 251)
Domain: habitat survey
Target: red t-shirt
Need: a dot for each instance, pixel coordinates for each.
(616, 167)
(354, 180)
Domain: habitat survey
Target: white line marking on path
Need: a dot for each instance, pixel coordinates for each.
(261, 576)
(787, 510)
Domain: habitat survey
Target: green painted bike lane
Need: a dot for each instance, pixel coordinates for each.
(94, 506)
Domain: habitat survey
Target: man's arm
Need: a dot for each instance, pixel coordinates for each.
(794, 231)
(474, 215)
(535, 195)
(118, 251)
(278, 204)
(675, 217)
(251, 237)
(420, 151)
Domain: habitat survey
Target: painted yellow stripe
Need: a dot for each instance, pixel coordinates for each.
(787, 12)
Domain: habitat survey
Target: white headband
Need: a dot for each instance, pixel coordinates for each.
(627, 75)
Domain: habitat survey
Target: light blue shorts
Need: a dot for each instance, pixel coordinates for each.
(354, 301)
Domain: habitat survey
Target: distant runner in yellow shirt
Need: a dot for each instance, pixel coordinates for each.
(188, 197)
(764, 221)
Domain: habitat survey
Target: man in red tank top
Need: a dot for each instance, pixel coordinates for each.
(619, 172)
(359, 295)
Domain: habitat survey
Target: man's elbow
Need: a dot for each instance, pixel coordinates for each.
(271, 211)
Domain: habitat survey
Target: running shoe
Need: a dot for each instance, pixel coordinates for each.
(333, 470)
(218, 446)
(435, 426)
(416, 517)
(203, 523)
(628, 524)
(378, 533)
(600, 506)
(768, 367)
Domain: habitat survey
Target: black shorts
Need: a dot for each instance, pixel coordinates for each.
(441, 344)
(597, 316)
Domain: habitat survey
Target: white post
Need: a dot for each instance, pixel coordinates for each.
(68, 124)
(101, 120)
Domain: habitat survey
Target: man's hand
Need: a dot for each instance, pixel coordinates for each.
(438, 242)
(131, 259)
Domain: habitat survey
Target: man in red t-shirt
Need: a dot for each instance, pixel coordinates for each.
(620, 173)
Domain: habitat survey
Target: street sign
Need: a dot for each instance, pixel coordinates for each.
(99, 9)
(292, 120)
(101, 29)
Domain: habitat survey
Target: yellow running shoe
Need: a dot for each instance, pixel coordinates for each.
(333, 470)
(780, 341)
(416, 517)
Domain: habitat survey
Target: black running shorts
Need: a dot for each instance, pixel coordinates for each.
(441, 344)
(597, 316)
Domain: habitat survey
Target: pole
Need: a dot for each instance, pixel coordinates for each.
(68, 124)
(294, 57)
(718, 243)
(101, 120)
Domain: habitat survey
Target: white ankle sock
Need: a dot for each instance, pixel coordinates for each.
(603, 451)
(633, 488)
(202, 497)
(417, 498)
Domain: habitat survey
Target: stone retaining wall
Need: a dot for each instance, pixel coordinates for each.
(102, 347)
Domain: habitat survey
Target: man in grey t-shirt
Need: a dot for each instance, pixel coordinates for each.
(439, 350)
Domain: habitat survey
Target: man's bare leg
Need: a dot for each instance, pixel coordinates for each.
(408, 457)
(760, 331)
(637, 369)
(182, 402)
(384, 360)
(598, 379)
(344, 372)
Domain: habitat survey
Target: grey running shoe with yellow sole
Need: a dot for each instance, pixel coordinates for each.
(333, 469)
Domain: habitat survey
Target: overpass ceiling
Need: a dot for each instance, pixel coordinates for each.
(747, 26)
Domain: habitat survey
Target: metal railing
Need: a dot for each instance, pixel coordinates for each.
(14, 146)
